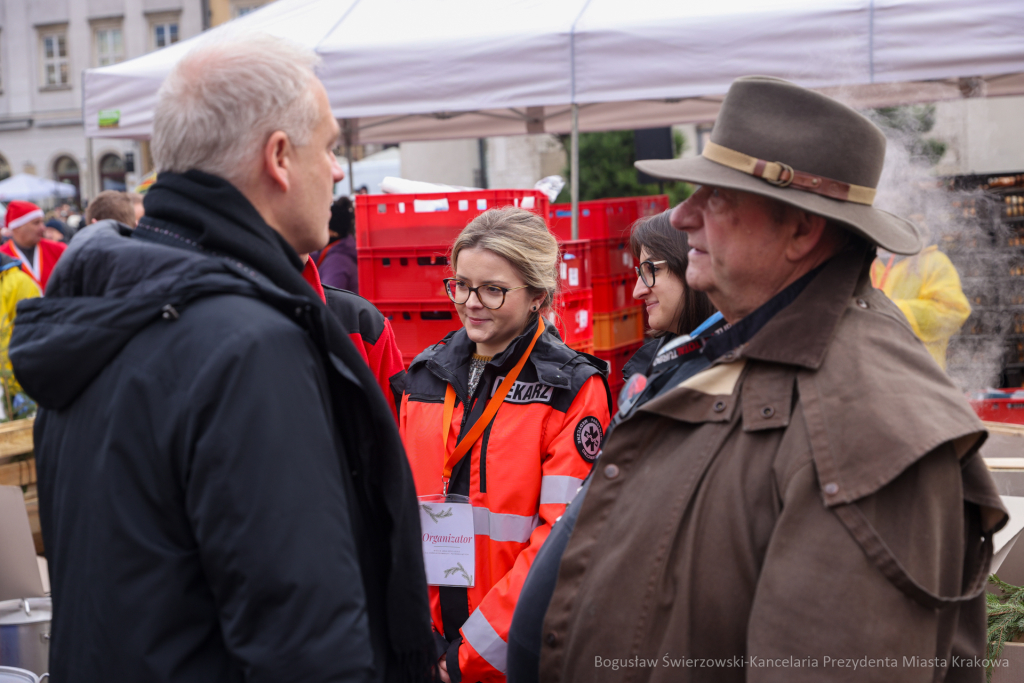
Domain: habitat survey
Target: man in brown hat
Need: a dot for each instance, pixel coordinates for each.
(803, 499)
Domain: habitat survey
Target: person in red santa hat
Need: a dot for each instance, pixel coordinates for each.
(38, 256)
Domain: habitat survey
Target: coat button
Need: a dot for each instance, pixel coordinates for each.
(611, 471)
(767, 412)
(831, 488)
(719, 406)
(550, 639)
(862, 303)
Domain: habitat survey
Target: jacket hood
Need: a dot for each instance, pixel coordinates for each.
(8, 262)
(106, 288)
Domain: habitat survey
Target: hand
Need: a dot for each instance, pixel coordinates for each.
(442, 664)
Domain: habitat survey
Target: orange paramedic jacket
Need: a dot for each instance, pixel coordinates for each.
(520, 474)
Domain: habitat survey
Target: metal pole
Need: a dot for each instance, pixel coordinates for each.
(574, 171)
(348, 155)
(90, 172)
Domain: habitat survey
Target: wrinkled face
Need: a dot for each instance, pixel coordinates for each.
(664, 301)
(736, 247)
(316, 170)
(493, 329)
(28, 235)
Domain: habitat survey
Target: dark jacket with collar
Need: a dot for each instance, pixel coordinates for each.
(814, 497)
(520, 474)
(642, 359)
(213, 460)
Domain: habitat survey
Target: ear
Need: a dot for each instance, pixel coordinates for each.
(276, 160)
(806, 233)
(537, 301)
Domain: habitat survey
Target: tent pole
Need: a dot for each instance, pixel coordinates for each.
(574, 171)
(348, 155)
(90, 172)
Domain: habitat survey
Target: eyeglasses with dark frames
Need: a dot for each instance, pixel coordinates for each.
(647, 270)
(489, 296)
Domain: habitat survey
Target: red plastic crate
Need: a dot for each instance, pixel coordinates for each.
(418, 325)
(611, 257)
(574, 317)
(604, 218)
(574, 265)
(613, 330)
(414, 220)
(614, 292)
(617, 359)
(586, 346)
(399, 275)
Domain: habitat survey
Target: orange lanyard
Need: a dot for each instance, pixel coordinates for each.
(885, 274)
(453, 458)
(324, 251)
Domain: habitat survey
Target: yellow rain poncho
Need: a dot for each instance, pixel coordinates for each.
(926, 287)
(14, 286)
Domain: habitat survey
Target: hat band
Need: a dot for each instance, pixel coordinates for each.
(22, 220)
(783, 175)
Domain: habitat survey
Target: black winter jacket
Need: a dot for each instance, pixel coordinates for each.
(200, 509)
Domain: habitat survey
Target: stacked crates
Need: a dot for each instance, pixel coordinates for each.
(403, 243)
(618, 319)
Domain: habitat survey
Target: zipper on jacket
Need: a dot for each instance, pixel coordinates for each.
(483, 456)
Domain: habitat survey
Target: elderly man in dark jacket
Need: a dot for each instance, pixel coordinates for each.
(222, 490)
(801, 498)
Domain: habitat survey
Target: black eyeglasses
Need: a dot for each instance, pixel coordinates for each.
(646, 271)
(489, 296)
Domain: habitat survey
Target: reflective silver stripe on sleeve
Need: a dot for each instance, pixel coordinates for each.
(500, 527)
(479, 633)
(558, 489)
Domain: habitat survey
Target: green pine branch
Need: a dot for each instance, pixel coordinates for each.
(1005, 617)
(437, 515)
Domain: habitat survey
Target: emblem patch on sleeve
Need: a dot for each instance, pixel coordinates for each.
(588, 438)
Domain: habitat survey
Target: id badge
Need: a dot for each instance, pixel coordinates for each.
(449, 542)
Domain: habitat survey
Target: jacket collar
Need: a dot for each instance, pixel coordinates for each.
(813, 316)
(204, 212)
(798, 334)
(449, 359)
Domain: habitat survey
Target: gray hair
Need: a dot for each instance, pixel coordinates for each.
(223, 100)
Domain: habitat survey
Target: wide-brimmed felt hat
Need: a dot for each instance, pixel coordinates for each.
(776, 139)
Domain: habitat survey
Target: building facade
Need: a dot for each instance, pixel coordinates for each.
(45, 46)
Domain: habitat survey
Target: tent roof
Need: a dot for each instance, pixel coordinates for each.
(27, 187)
(435, 69)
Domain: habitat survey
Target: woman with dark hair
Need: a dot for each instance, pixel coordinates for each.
(337, 262)
(673, 308)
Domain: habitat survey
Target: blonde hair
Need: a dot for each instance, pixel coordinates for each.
(522, 238)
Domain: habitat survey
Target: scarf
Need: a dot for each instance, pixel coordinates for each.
(212, 213)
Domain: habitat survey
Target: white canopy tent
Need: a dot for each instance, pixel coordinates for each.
(27, 187)
(432, 69)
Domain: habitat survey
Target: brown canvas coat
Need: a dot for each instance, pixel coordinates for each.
(811, 507)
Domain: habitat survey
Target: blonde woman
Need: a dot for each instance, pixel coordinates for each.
(503, 418)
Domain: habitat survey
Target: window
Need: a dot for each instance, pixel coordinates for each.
(66, 171)
(240, 8)
(165, 34)
(112, 173)
(55, 58)
(109, 46)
